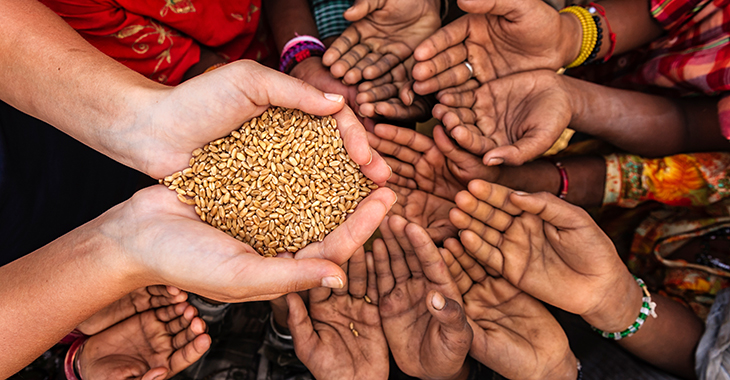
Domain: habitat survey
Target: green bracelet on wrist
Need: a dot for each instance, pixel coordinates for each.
(647, 308)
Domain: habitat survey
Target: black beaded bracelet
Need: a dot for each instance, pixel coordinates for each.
(599, 41)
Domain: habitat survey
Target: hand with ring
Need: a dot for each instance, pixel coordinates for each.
(497, 38)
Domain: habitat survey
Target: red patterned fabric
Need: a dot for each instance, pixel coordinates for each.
(161, 39)
(692, 58)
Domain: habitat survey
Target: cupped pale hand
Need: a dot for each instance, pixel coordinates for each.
(383, 33)
(514, 334)
(162, 240)
(212, 105)
(339, 336)
(498, 38)
(155, 344)
(420, 304)
(509, 120)
(542, 245)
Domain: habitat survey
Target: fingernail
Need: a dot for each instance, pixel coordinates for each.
(520, 193)
(360, 114)
(371, 159)
(495, 161)
(395, 201)
(391, 172)
(332, 282)
(460, 231)
(333, 97)
(438, 302)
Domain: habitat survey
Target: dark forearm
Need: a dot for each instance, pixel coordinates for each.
(586, 178)
(644, 124)
(632, 22)
(668, 341)
(289, 18)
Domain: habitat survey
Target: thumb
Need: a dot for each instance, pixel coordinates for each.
(282, 90)
(525, 149)
(299, 323)
(360, 9)
(507, 8)
(552, 210)
(454, 327)
(158, 373)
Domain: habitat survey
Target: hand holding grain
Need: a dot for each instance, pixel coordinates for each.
(212, 105)
(163, 241)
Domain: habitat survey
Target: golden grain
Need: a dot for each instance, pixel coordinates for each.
(280, 182)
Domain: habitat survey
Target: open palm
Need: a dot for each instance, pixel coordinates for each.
(155, 344)
(426, 210)
(513, 119)
(514, 334)
(323, 339)
(542, 245)
(383, 34)
(426, 342)
(498, 38)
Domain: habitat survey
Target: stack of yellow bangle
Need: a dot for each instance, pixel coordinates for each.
(590, 34)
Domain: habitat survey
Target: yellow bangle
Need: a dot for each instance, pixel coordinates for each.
(590, 34)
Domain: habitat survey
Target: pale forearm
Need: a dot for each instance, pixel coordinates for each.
(51, 73)
(45, 294)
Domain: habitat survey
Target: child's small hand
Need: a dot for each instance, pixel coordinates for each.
(391, 96)
(155, 344)
(341, 337)
(416, 161)
(512, 119)
(513, 333)
(542, 245)
(426, 210)
(140, 300)
(420, 305)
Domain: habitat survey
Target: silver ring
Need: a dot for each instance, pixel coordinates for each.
(471, 69)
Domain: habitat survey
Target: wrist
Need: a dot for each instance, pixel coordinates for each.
(572, 37)
(567, 369)
(302, 69)
(619, 308)
(130, 137)
(463, 373)
(107, 235)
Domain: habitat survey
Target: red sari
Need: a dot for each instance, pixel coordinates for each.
(161, 39)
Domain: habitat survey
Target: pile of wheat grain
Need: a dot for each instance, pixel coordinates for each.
(280, 182)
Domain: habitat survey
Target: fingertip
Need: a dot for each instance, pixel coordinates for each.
(438, 302)
(337, 98)
(172, 290)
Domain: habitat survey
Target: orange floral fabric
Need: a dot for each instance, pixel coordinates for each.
(663, 233)
(161, 39)
(681, 180)
(696, 182)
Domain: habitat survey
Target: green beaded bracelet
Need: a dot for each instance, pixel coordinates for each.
(647, 308)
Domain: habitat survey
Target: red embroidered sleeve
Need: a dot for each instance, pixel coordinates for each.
(140, 43)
